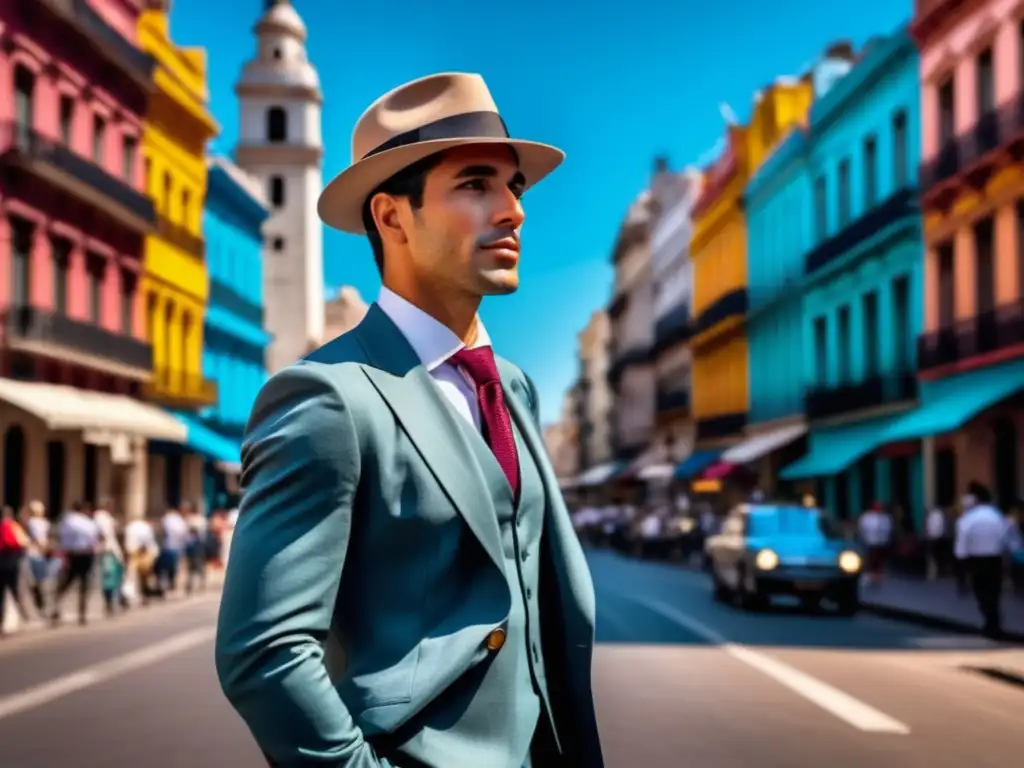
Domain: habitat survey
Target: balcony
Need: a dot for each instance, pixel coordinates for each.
(897, 207)
(989, 332)
(177, 235)
(731, 304)
(635, 355)
(48, 333)
(930, 16)
(223, 295)
(27, 150)
(727, 425)
(618, 305)
(105, 41)
(873, 392)
(178, 389)
(670, 400)
(672, 328)
(970, 159)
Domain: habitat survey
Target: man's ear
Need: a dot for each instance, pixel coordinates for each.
(387, 215)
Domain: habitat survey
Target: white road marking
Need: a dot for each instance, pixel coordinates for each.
(834, 701)
(44, 693)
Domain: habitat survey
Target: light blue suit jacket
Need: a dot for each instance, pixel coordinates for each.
(358, 501)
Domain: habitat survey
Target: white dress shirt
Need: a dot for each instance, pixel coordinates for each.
(935, 525)
(139, 536)
(875, 528)
(78, 533)
(175, 531)
(981, 532)
(434, 343)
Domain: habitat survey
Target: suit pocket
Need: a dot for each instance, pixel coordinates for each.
(384, 687)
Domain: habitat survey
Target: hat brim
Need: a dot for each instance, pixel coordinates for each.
(341, 203)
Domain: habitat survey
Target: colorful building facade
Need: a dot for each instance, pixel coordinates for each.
(721, 361)
(175, 284)
(972, 348)
(74, 215)
(862, 305)
(235, 341)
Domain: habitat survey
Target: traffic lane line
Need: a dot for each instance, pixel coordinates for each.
(87, 677)
(834, 701)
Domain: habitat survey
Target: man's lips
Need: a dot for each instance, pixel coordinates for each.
(507, 248)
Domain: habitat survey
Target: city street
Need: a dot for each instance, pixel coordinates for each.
(680, 681)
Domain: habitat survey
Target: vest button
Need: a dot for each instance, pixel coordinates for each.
(495, 639)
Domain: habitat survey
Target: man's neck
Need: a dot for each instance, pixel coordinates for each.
(456, 311)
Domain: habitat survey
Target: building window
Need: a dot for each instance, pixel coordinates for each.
(129, 148)
(985, 83)
(844, 345)
(168, 186)
(95, 270)
(901, 316)
(99, 138)
(844, 193)
(127, 303)
(67, 119)
(901, 168)
(21, 261)
(186, 333)
(151, 316)
(820, 208)
(871, 350)
(24, 102)
(870, 172)
(277, 125)
(60, 250)
(277, 53)
(946, 258)
(984, 267)
(186, 207)
(821, 351)
(278, 244)
(947, 112)
(276, 191)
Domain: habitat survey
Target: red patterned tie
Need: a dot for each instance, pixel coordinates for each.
(479, 364)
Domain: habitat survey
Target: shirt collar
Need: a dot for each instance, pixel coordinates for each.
(432, 341)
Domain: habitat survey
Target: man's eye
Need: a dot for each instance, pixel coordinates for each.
(477, 184)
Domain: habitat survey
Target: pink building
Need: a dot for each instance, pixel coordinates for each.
(971, 354)
(73, 216)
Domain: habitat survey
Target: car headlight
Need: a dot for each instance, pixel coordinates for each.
(766, 560)
(849, 562)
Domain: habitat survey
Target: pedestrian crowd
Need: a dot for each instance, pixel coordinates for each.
(131, 562)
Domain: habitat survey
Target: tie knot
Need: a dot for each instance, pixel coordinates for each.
(478, 363)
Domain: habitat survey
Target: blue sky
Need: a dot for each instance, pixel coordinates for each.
(612, 85)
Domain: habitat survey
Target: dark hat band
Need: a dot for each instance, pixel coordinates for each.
(468, 125)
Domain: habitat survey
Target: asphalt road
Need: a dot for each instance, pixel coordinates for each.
(681, 682)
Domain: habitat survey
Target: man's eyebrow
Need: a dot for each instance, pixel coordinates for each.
(488, 172)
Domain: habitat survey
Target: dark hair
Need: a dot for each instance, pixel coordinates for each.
(979, 492)
(408, 182)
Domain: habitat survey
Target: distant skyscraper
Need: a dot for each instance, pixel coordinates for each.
(280, 144)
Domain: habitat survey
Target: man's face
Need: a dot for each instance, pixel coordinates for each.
(466, 234)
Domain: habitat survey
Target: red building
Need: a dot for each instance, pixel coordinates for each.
(73, 217)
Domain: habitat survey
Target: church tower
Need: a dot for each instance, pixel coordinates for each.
(280, 144)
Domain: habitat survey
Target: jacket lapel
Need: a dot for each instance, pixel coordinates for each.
(574, 580)
(419, 406)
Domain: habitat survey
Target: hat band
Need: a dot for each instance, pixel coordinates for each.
(468, 125)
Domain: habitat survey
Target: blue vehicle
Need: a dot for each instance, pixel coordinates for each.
(765, 550)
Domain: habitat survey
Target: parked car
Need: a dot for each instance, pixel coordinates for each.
(765, 550)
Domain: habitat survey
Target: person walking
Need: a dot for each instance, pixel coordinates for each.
(78, 540)
(399, 499)
(14, 543)
(981, 540)
(42, 564)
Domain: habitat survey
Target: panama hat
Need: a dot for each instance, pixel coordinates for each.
(414, 121)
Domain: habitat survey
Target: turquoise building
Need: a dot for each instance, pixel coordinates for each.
(779, 231)
(234, 337)
(862, 301)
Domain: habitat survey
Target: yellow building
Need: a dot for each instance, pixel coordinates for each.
(718, 250)
(175, 285)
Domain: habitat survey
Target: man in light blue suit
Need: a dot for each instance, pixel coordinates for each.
(399, 504)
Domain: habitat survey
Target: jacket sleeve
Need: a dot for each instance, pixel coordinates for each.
(300, 471)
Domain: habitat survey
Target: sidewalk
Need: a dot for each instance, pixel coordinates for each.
(95, 610)
(937, 603)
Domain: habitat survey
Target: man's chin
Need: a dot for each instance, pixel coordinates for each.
(498, 283)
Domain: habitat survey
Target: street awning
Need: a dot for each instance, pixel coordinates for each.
(948, 403)
(833, 449)
(206, 442)
(697, 462)
(600, 474)
(718, 471)
(659, 471)
(757, 446)
(647, 466)
(62, 407)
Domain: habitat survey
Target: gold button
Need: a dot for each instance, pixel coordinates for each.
(496, 639)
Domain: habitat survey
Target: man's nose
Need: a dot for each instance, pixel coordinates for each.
(510, 211)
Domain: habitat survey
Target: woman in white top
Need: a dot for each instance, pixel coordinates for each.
(42, 565)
